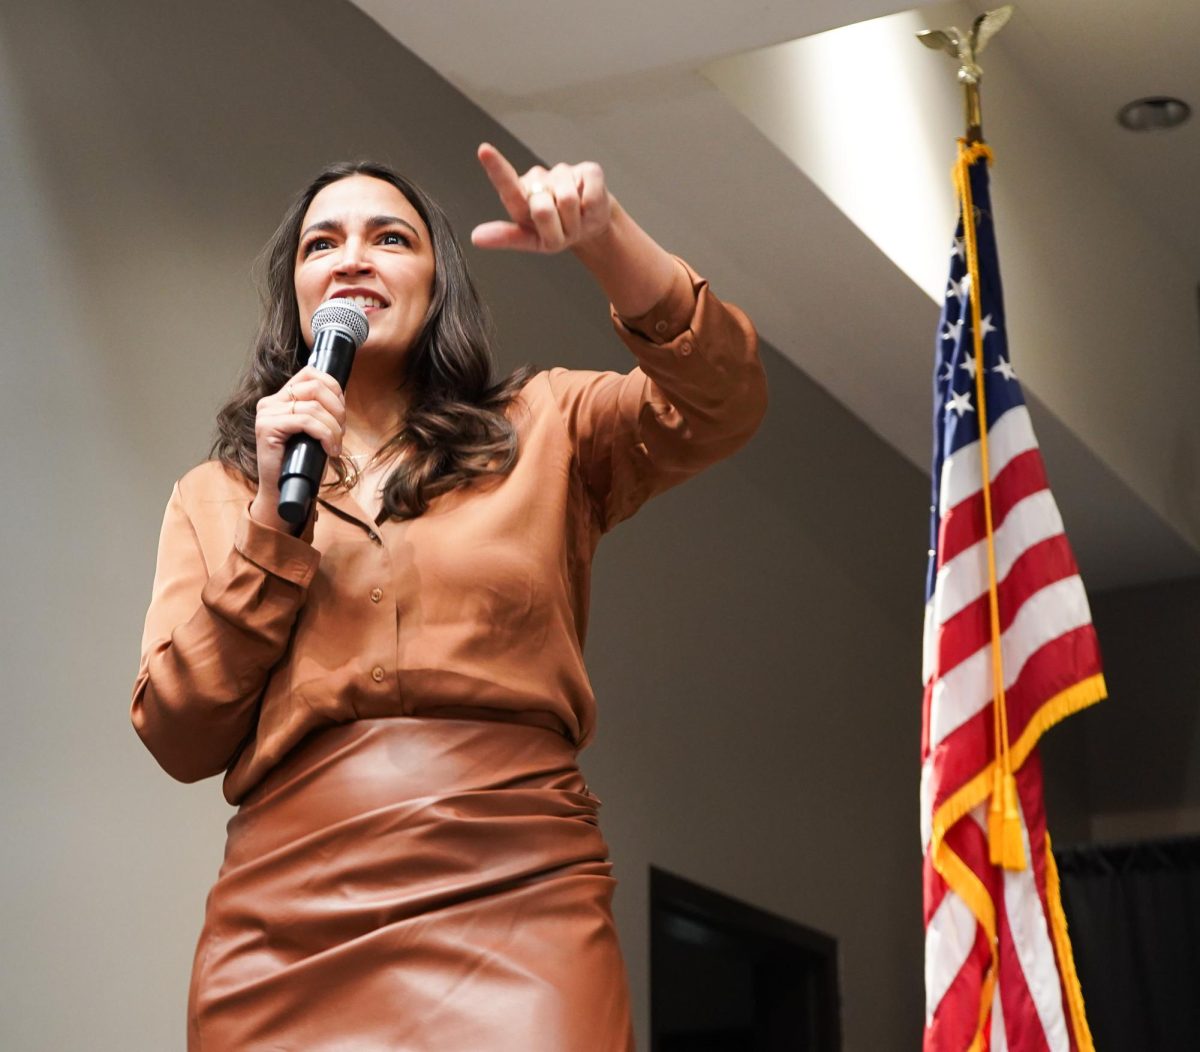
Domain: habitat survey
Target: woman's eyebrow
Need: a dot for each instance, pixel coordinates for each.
(377, 221)
(334, 226)
(337, 226)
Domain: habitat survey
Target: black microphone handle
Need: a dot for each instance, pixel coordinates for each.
(303, 456)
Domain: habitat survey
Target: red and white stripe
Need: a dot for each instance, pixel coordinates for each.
(1047, 645)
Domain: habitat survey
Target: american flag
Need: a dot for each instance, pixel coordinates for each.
(998, 968)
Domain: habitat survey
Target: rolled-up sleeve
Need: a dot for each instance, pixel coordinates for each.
(211, 639)
(697, 395)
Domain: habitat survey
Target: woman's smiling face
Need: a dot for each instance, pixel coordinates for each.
(362, 239)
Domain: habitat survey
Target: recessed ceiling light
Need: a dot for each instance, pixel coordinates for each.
(1154, 114)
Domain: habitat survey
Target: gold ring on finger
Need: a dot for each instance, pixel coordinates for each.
(538, 188)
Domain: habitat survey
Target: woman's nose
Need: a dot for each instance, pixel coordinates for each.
(352, 259)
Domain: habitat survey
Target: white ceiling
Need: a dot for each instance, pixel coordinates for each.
(1089, 60)
(1099, 237)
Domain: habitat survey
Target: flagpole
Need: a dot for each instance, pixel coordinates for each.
(974, 110)
(1004, 825)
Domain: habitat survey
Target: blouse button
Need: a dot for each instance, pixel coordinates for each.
(376, 594)
(377, 674)
(660, 327)
(685, 347)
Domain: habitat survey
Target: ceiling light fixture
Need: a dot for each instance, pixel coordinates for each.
(1156, 113)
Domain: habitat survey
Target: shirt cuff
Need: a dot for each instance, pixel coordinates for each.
(672, 314)
(281, 554)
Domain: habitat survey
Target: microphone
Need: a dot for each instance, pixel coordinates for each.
(339, 328)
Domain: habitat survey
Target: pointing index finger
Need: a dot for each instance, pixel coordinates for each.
(503, 177)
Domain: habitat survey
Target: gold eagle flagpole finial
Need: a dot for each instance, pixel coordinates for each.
(966, 48)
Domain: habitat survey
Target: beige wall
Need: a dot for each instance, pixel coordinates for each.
(754, 635)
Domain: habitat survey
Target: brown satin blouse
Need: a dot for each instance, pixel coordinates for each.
(254, 637)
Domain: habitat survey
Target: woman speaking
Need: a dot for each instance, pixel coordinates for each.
(395, 690)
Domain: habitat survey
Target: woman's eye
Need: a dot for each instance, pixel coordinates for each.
(394, 237)
(317, 244)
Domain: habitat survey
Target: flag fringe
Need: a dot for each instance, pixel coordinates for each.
(1065, 703)
(1066, 959)
(1071, 700)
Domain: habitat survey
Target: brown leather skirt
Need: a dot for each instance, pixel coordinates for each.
(434, 885)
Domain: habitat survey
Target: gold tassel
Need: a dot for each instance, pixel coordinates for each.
(996, 817)
(1012, 844)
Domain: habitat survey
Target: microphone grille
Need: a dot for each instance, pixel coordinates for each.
(342, 314)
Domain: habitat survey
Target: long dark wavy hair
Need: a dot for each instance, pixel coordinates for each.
(455, 428)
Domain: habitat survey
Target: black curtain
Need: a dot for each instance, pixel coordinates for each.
(1133, 912)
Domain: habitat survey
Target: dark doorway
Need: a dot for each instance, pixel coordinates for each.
(727, 977)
